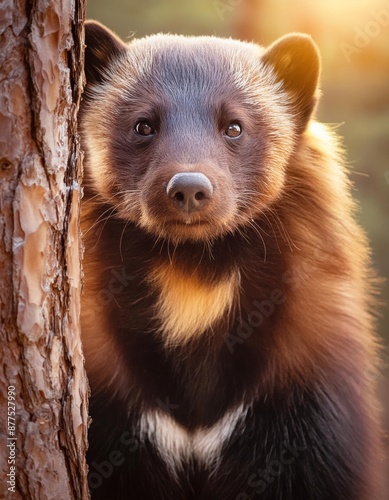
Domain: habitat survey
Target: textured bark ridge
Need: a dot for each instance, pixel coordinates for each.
(41, 60)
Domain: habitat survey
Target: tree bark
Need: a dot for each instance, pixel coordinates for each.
(42, 378)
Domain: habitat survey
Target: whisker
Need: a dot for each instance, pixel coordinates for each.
(168, 252)
(99, 219)
(121, 240)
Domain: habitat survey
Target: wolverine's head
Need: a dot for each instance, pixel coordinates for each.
(190, 138)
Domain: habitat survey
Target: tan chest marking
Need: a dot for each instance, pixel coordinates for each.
(188, 306)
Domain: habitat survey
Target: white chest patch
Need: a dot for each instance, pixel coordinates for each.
(175, 444)
(188, 306)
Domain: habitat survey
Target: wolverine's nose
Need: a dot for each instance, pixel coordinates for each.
(190, 191)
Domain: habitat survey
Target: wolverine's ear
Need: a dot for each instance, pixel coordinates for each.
(296, 61)
(102, 46)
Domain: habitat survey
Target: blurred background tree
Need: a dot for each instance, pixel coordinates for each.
(353, 37)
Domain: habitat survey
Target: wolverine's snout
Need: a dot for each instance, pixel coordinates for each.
(189, 191)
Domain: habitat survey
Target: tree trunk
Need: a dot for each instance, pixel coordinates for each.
(43, 386)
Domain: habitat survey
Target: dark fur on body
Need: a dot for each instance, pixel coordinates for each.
(278, 243)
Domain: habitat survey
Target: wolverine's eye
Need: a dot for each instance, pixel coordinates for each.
(144, 128)
(233, 130)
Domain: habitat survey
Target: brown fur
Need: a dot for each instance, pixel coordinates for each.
(186, 316)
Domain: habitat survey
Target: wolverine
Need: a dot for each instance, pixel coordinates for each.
(227, 311)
